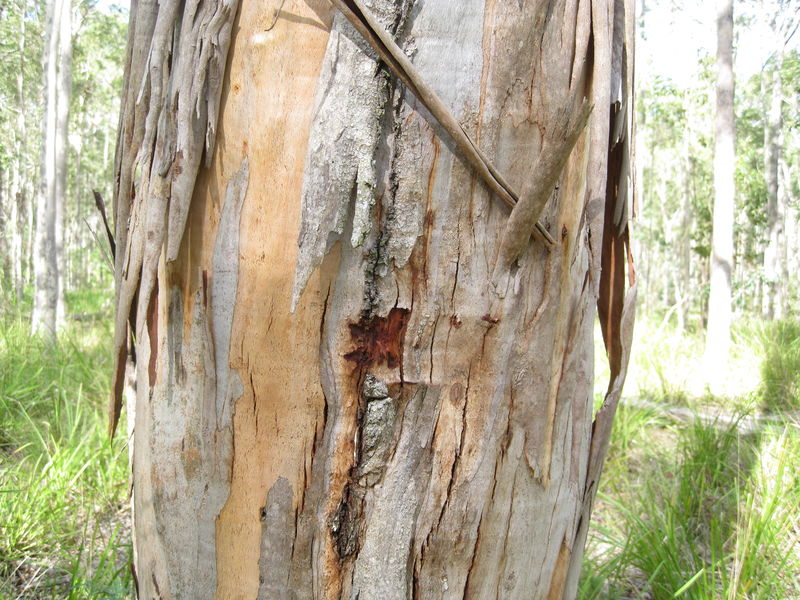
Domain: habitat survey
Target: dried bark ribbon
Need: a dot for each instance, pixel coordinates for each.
(388, 50)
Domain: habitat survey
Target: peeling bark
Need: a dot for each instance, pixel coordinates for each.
(357, 375)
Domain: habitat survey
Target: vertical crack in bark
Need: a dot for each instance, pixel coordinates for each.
(152, 334)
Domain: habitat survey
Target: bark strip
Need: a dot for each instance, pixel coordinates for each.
(168, 121)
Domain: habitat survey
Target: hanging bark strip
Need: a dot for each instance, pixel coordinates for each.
(101, 208)
(380, 40)
(168, 122)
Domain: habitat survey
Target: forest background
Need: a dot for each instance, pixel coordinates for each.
(701, 491)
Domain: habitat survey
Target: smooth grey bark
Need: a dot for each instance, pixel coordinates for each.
(45, 263)
(48, 310)
(718, 332)
(63, 97)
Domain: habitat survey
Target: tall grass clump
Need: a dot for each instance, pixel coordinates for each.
(63, 490)
(780, 365)
(712, 515)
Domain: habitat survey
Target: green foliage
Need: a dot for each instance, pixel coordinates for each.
(62, 484)
(690, 506)
(780, 366)
(709, 516)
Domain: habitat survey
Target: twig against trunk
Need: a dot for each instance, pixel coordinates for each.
(394, 57)
(101, 207)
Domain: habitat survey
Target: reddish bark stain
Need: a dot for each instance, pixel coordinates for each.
(152, 330)
(456, 393)
(177, 164)
(490, 319)
(379, 339)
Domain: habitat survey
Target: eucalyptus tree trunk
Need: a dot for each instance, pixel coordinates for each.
(772, 307)
(63, 97)
(48, 293)
(5, 239)
(783, 25)
(45, 264)
(718, 332)
(357, 375)
(17, 200)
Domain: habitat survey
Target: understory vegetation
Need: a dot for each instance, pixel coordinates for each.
(63, 485)
(700, 496)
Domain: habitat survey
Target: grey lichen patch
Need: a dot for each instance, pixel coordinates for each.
(342, 142)
(377, 431)
(374, 388)
(352, 94)
(277, 536)
(405, 216)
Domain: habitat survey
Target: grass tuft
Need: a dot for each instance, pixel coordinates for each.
(780, 365)
(63, 491)
(694, 505)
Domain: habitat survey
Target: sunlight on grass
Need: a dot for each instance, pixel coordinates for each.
(702, 508)
(63, 491)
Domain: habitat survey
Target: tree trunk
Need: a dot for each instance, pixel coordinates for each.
(357, 376)
(5, 236)
(45, 263)
(783, 26)
(63, 96)
(718, 332)
(772, 152)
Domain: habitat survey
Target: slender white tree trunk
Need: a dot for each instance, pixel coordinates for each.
(718, 333)
(18, 198)
(63, 96)
(357, 375)
(45, 263)
(5, 235)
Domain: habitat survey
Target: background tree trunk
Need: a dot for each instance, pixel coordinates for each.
(783, 26)
(45, 257)
(775, 216)
(718, 333)
(63, 96)
(352, 379)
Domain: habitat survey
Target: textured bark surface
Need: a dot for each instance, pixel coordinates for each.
(351, 380)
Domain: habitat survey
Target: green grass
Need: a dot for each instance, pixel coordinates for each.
(697, 509)
(63, 490)
(780, 367)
